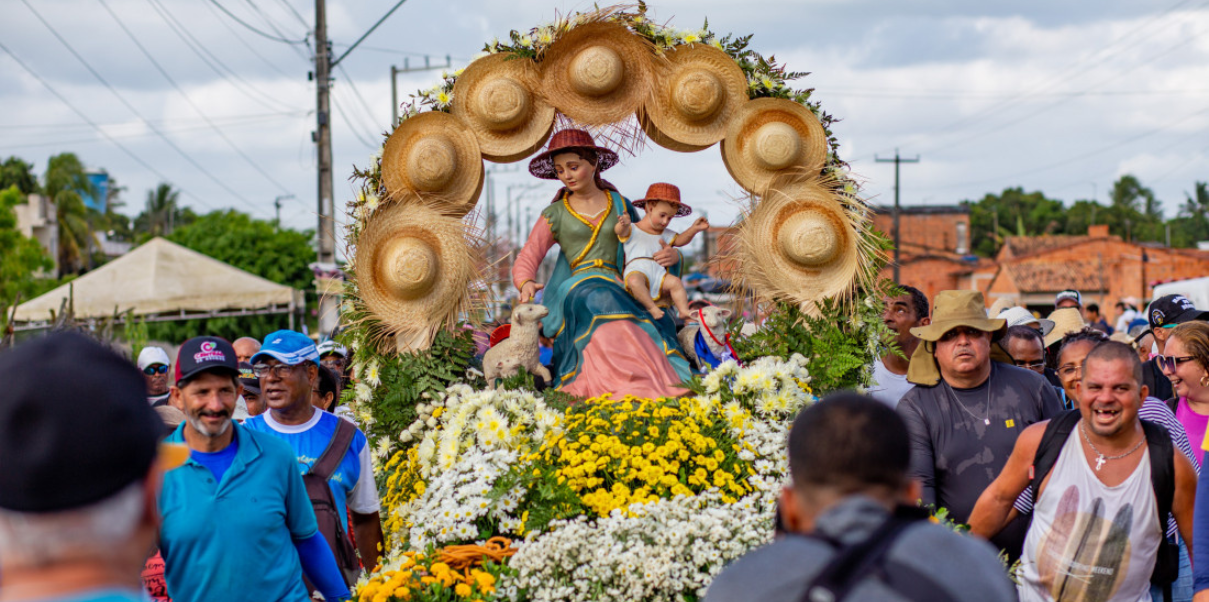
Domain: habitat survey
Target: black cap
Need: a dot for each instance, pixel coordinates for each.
(1170, 310)
(75, 426)
(248, 378)
(200, 354)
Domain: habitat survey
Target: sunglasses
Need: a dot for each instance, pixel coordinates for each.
(153, 370)
(279, 370)
(1169, 362)
(334, 363)
(1030, 365)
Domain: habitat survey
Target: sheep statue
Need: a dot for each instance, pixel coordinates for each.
(520, 349)
(711, 330)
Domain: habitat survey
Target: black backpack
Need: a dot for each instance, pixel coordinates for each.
(327, 513)
(1162, 479)
(853, 563)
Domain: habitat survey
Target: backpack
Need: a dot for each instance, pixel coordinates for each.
(1162, 479)
(327, 513)
(853, 563)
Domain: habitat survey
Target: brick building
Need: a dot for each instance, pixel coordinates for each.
(934, 250)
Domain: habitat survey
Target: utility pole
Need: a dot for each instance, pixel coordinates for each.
(326, 256)
(277, 207)
(897, 161)
(407, 68)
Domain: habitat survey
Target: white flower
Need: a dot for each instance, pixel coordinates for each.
(363, 393)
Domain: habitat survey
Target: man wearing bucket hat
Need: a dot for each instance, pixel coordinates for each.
(77, 502)
(966, 411)
(209, 538)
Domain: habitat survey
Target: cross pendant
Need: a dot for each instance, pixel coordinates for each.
(1100, 462)
(986, 421)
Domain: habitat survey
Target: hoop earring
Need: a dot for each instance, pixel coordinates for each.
(1205, 380)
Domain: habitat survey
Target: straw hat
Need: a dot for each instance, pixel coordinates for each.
(1019, 316)
(435, 157)
(597, 73)
(414, 267)
(542, 166)
(1066, 321)
(999, 305)
(770, 135)
(496, 101)
(694, 98)
(952, 309)
(664, 192)
(798, 243)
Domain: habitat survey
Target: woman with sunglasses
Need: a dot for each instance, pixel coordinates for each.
(1185, 361)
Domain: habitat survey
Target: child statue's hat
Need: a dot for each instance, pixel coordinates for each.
(663, 191)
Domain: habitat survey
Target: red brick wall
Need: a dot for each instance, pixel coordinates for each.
(930, 275)
(923, 231)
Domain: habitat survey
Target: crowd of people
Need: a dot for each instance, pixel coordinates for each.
(1067, 445)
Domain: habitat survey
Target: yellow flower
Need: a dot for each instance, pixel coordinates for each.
(462, 590)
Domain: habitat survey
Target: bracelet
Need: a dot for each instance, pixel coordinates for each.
(524, 282)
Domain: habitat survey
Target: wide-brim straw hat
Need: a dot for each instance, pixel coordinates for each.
(1001, 304)
(496, 99)
(1019, 316)
(435, 157)
(414, 267)
(598, 73)
(662, 191)
(770, 136)
(1066, 321)
(799, 243)
(570, 139)
(959, 308)
(693, 99)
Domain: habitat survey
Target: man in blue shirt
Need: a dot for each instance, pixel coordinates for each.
(81, 465)
(288, 367)
(237, 523)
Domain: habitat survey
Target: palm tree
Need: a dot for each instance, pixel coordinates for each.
(160, 215)
(65, 184)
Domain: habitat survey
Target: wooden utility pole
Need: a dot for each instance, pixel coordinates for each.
(326, 247)
(897, 161)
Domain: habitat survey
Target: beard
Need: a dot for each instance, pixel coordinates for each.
(206, 431)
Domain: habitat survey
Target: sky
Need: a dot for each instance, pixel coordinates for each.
(1061, 97)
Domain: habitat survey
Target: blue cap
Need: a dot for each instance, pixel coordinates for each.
(287, 347)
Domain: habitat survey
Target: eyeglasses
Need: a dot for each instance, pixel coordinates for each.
(1067, 370)
(1169, 362)
(278, 370)
(335, 363)
(1037, 365)
(153, 370)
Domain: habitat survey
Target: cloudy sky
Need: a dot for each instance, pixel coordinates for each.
(1062, 97)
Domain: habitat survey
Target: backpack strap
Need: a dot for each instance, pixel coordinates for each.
(853, 563)
(1056, 432)
(326, 465)
(1173, 403)
(1162, 478)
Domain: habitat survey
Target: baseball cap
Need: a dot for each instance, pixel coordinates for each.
(247, 378)
(329, 346)
(1069, 294)
(1170, 310)
(287, 347)
(151, 355)
(200, 354)
(1017, 316)
(54, 456)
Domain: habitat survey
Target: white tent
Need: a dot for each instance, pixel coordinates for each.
(164, 281)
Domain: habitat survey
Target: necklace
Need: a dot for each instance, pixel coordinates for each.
(1100, 458)
(985, 419)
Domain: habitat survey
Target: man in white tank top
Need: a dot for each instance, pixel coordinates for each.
(1095, 532)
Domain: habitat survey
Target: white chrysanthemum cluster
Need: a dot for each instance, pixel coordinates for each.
(769, 387)
(661, 551)
(458, 497)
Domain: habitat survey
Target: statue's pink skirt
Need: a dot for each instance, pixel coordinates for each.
(622, 359)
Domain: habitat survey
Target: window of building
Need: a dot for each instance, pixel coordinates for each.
(963, 240)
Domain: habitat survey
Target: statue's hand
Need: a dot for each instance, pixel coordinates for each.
(666, 256)
(529, 290)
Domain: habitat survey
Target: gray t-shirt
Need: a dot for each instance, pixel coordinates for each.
(959, 444)
(780, 572)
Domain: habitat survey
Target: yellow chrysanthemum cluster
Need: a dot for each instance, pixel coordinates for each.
(415, 579)
(404, 484)
(618, 452)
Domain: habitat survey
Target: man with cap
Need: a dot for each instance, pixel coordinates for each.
(77, 502)
(251, 389)
(1165, 313)
(965, 412)
(154, 363)
(215, 546)
(902, 313)
(1068, 298)
(287, 365)
(335, 357)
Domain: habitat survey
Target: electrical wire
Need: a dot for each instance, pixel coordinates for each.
(134, 135)
(225, 120)
(301, 20)
(253, 29)
(100, 130)
(357, 93)
(239, 38)
(134, 110)
(272, 25)
(361, 138)
(158, 67)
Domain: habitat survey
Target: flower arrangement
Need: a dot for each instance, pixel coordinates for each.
(423, 577)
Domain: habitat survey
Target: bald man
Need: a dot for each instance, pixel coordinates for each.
(245, 348)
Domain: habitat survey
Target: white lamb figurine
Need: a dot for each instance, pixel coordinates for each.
(715, 319)
(519, 350)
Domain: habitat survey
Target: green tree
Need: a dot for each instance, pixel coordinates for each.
(1192, 225)
(20, 257)
(64, 183)
(1018, 213)
(16, 172)
(160, 214)
(1133, 211)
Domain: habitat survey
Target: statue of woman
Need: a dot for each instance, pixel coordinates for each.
(604, 341)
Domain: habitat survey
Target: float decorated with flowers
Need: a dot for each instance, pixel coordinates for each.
(576, 487)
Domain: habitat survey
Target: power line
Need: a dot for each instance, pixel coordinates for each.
(69, 142)
(132, 109)
(238, 37)
(253, 29)
(353, 86)
(227, 120)
(97, 127)
(272, 25)
(349, 122)
(369, 31)
(251, 162)
(296, 14)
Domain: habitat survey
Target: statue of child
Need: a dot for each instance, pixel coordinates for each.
(646, 280)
